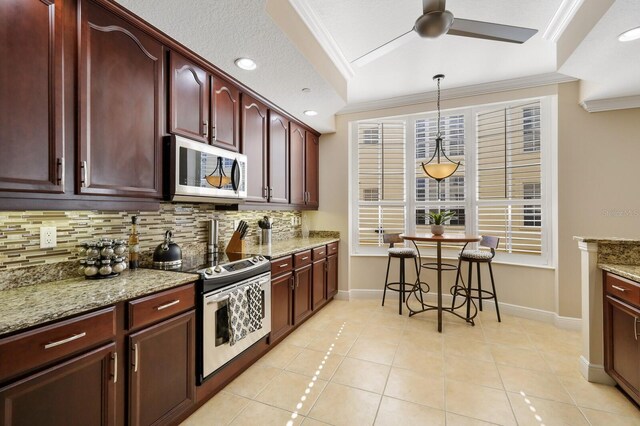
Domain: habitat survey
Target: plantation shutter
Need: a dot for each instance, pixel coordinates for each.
(381, 180)
(509, 177)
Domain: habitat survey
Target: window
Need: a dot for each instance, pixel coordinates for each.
(532, 213)
(531, 128)
(498, 190)
(381, 180)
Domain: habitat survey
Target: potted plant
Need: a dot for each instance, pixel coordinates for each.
(438, 220)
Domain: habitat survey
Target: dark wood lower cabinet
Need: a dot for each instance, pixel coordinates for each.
(302, 294)
(332, 275)
(319, 283)
(281, 298)
(162, 371)
(80, 392)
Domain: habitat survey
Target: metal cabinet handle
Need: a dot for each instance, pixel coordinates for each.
(60, 170)
(270, 192)
(63, 341)
(619, 288)
(115, 367)
(83, 179)
(635, 327)
(284, 265)
(166, 305)
(135, 358)
(213, 132)
(291, 283)
(205, 129)
(304, 258)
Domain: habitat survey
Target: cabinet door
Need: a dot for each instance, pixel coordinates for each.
(31, 87)
(225, 115)
(622, 350)
(188, 99)
(311, 169)
(302, 294)
(121, 107)
(254, 146)
(79, 392)
(162, 371)
(332, 275)
(281, 302)
(278, 158)
(319, 283)
(296, 137)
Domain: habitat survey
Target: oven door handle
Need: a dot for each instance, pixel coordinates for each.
(222, 299)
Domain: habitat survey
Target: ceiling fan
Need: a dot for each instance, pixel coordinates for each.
(436, 21)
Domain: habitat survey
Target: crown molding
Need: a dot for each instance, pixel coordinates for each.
(561, 19)
(610, 104)
(460, 92)
(323, 37)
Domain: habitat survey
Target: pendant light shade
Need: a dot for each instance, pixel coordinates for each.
(434, 168)
(218, 178)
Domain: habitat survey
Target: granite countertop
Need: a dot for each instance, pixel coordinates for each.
(37, 304)
(286, 247)
(631, 272)
(607, 240)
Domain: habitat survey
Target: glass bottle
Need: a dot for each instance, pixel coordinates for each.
(134, 244)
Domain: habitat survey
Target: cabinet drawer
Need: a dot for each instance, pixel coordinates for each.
(282, 265)
(623, 289)
(302, 259)
(319, 253)
(332, 248)
(159, 306)
(41, 346)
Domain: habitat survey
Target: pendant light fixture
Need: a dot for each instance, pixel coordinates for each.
(434, 168)
(219, 179)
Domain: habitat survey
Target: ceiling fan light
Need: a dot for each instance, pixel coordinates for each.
(440, 171)
(218, 181)
(433, 24)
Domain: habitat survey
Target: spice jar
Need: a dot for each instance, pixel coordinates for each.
(91, 269)
(118, 266)
(119, 247)
(107, 251)
(83, 265)
(92, 250)
(106, 269)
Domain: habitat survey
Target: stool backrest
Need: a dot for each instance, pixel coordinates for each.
(391, 239)
(490, 242)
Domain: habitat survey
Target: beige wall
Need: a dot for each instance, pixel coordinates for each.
(583, 139)
(598, 184)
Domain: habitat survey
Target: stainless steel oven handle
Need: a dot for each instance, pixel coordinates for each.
(214, 301)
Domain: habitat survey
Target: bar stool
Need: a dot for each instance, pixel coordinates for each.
(477, 257)
(401, 253)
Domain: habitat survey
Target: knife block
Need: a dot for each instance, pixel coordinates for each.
(236, 245)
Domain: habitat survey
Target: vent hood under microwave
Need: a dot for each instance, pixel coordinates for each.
(203, 173)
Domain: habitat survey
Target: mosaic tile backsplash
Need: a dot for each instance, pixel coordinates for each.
(20, 231)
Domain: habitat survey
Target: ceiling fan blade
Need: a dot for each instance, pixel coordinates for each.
(490, 31)
(432, 5)
(385, 48)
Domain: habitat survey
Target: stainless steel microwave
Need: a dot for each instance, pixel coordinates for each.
(204, 173)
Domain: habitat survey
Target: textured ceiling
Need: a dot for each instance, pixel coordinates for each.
(223, 30)
(608, 67)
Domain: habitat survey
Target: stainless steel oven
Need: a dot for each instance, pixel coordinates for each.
(216, 350)
(203, 173)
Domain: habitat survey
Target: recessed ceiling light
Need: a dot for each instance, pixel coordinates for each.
(310, 112)
(246, 64)
(306, 90)
(632, 34)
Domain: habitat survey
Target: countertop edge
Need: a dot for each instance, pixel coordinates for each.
(631, 272)
(606, 240)
(262, 250)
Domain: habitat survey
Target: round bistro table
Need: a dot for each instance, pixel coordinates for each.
(438, 239)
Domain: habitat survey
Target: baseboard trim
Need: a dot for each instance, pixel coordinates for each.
(566, 323)
(594, 372)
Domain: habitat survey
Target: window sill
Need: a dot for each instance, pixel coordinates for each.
(450, 258)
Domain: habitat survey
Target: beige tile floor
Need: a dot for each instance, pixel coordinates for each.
(357, 363)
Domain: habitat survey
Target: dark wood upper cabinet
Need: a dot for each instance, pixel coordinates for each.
(312, 169)
(31, 96)
(254, 146)
(162, 371)
(225, 114)
(78, 392)
(278, 158)
(121, 116)
(302, 307)
(297, 145)
(188, 99)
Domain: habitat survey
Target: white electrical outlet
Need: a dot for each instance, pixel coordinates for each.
(48, 236)
(235, 224)
(293, 221)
